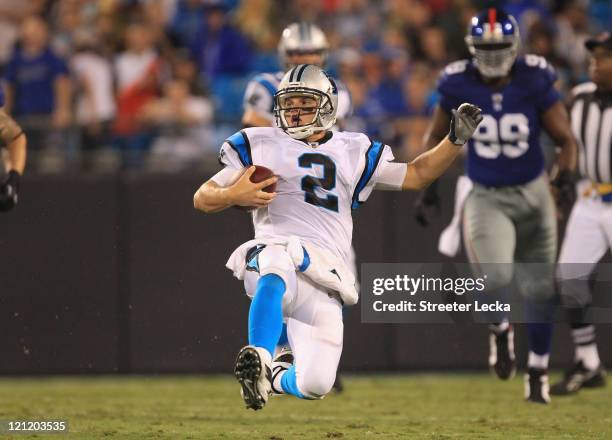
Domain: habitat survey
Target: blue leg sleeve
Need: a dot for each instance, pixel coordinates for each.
(266, 314)
(289, 383)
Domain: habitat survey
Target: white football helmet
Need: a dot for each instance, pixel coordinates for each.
(311, 81)
(299, 38)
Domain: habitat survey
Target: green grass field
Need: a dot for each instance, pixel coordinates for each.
(419, 406)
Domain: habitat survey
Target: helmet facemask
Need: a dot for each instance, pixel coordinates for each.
(322, 111)
(289, 54)
(493, 60)
(493, 40)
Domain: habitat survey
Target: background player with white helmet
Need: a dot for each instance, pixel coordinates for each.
(300, 43)
(303, 230)
(508, 215)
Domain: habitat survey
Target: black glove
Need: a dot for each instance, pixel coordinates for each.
(463, 123)
(9, 191)
(565, 190)
(427, 203)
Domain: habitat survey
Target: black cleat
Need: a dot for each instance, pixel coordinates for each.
(501, 353)
(281, 363)
(536, 386)
(577, 377)
(254, 377)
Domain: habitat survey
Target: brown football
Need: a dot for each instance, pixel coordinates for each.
(262, 173)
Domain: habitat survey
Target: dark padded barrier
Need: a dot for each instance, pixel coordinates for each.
(120, 274)
(58, 278)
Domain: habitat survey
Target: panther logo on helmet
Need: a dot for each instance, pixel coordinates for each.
(493, 40)
(305, 80)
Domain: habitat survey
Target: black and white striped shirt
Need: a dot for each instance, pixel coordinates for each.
(591, 116)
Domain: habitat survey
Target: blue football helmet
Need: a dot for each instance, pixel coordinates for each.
(493, 40)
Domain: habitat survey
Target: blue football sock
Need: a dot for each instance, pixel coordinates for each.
(540, 337)
(540, 315)
(266, 313)
(289, 383)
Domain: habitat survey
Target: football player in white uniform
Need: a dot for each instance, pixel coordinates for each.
(298, 259)
(300, 43)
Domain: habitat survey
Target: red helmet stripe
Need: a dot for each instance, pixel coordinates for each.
(492, 19)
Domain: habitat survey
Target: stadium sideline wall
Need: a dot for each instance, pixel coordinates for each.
(120, 274)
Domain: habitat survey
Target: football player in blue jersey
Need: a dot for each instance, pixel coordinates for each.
(509, 214)
(13, 139)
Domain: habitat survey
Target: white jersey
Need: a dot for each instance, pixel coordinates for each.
(319, 185)
(260, 91)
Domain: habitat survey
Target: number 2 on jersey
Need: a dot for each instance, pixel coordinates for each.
(327, 182)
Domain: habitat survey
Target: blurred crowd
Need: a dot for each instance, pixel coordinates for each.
(158, 84)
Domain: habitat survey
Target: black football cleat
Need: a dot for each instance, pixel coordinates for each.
(281, 363)
(536, 386)
(577, 377)
(254, 377)
(501, 353)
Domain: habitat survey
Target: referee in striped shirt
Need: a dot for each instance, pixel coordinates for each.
(589, 230)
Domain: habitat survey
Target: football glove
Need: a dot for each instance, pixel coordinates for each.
(427, 203)
(9, 190)
(564, 190)
(463, 123)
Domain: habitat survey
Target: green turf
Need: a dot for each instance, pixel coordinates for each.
(427, 406)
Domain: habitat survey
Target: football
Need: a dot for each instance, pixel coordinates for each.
(262, 173)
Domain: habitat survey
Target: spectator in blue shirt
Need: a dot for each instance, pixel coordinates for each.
(38, 87)
(219, 48)
(38, 82)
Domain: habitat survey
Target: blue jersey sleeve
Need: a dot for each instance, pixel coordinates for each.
(1, 95)
(450, 85)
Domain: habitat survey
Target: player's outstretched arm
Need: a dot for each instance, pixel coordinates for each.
(212, 197)
(428, 166)
(12, 136)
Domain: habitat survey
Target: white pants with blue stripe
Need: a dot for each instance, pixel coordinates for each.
(314, 322)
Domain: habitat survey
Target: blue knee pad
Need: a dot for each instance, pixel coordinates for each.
(266, 312)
